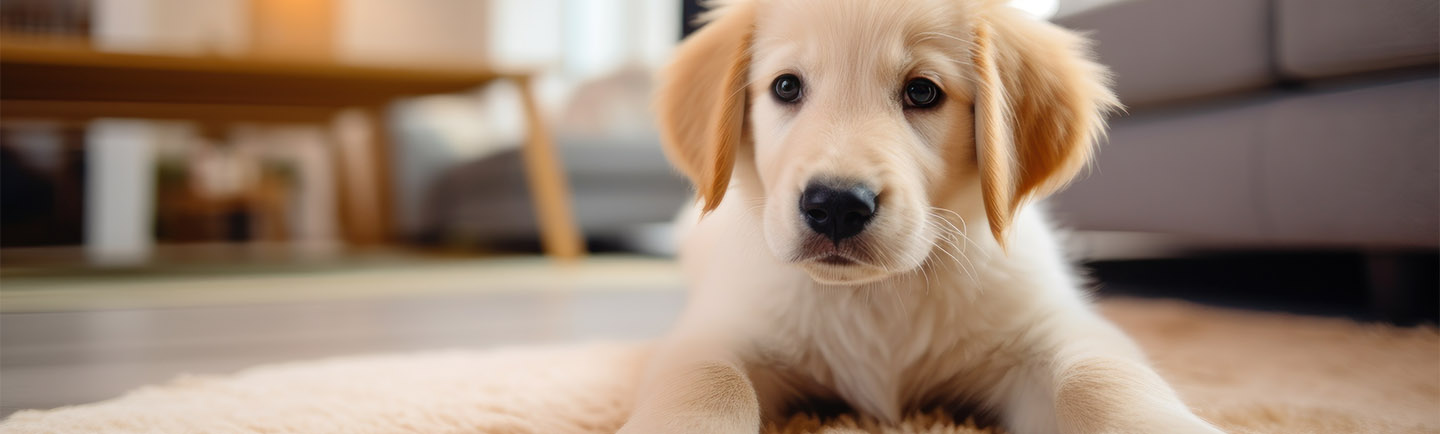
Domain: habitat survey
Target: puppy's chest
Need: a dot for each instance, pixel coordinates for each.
(881, 359)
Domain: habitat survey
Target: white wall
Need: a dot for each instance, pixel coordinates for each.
(172, 26)
(412, 31)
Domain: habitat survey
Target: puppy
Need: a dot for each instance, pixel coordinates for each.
(864, 168)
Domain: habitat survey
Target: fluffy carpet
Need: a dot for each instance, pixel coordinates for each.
(1247, 372)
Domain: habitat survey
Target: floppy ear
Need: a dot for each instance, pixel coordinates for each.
(702, 100)
(1040, 106)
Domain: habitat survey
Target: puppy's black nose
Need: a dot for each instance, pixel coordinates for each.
(837, 211)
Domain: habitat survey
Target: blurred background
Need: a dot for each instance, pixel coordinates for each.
(204, 185)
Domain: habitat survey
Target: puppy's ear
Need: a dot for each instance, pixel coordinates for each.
(1040, 106)
(701, 101)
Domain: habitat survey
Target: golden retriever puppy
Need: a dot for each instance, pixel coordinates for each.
(864, 168)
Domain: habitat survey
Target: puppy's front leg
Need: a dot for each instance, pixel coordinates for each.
(1091, 379)
(693, 387)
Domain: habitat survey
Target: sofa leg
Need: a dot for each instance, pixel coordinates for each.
(1394, 286)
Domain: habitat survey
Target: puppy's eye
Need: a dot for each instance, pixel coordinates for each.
(922, 93)
(786, 88)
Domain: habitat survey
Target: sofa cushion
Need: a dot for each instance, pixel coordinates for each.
(1165, 50)
(615, 186)
(1355, 165)
(1325, 38)
(1351, 166)
(1186, 173)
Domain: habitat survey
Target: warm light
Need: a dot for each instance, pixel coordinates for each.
(1042, 9)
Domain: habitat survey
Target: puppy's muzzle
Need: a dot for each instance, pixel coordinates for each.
(837, 210)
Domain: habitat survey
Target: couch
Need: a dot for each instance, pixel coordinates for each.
(1270, 122)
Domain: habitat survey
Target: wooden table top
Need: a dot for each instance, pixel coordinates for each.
(75, 72)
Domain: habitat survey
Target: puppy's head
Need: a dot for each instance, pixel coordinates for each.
(860, 123)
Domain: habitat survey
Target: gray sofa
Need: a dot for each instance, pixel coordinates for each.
(1277, 122)
(616, 188)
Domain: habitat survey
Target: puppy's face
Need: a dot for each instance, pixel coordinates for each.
(860, 117)
(863, 119)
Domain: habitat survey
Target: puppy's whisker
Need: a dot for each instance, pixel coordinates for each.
(923, 265)
(946, 241)
(962, 231)
(945, 248)
(967, 266)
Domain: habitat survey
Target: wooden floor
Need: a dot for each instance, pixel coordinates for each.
(69, 340)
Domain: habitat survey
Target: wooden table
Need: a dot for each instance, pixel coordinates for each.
(72, 81)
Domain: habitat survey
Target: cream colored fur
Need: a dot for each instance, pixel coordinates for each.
(958, 296)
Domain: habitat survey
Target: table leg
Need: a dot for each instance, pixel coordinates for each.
(362, 182)
(549, 191)
(382, 164)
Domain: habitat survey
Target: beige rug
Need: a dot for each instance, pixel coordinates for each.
(1248, 372)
